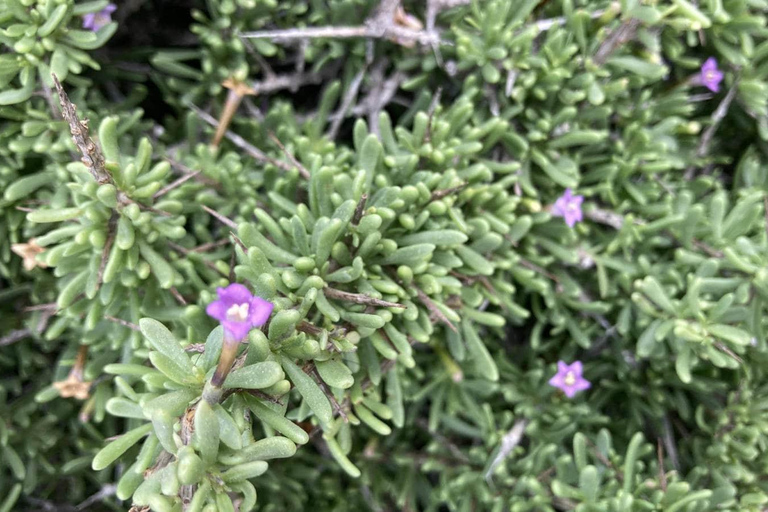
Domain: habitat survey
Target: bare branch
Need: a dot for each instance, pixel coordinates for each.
(122, 322)
(174, 184)
(346, 103)
(221, 218)
(361, 208)
(14, 336)
(302, 170)
(434, 310)
(359, 298)
(439, 194)
(240, 142)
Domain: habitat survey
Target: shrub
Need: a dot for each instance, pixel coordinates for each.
(514, 256)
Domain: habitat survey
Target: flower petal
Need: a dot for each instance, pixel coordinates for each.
(558, 381)
(582, 384)
(235, 293)
(709, 65)
(237, 330)
(217, 309)
(259, 311)
(577, 368)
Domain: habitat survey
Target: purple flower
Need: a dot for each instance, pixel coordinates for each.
(568, 206)
(239, 310)
(95, 20)
(710, 77)
(568, 378)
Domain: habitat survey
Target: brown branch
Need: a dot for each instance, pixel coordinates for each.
(175, 184)
(308, 328)
(238, 242)
(91, 154)
(122, 322)
(439, 194)
(328, 393)
(434, 310)
(361, 208)
(660, 457)
(178, 296)
(622, 35)
(302, 170)
(221, 218)
(605, 461)
(240, 142)
(359, 298)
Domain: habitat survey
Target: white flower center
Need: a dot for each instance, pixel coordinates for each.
(709, 76)
(238, 312)
(572, 207)
(570, 379)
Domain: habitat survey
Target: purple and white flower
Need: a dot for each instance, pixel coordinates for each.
(239, 310)
(710, 76)
(568, 206)
(569, 378)
(95, 20)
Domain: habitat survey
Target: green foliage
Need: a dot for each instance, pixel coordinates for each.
(392, 195)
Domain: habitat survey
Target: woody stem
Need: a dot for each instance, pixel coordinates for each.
(213, 391)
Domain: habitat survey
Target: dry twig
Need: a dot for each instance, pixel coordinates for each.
(92, 156)
(359, 298)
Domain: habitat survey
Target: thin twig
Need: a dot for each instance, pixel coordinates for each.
(361, 208)
(439, 194)
(721, 347)
(359, 298)
(620, 36)
(221, 218)
(240, 142)
(14, 336)
(434, 310)
(328, 393)
(662, 473)
(238, 242)
(107, 490)
(175, 184)
(669, 443)
(392, 32)
(302, 170)
(210, 245)
(431, 113)
(717, 117)
(122, 322)
(544, 25)
(178, 296)
(346, 103)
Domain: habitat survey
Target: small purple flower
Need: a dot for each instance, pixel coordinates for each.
(239, 310)
(568, 378)
(568, 206)
(710, 77)
(95, 20)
